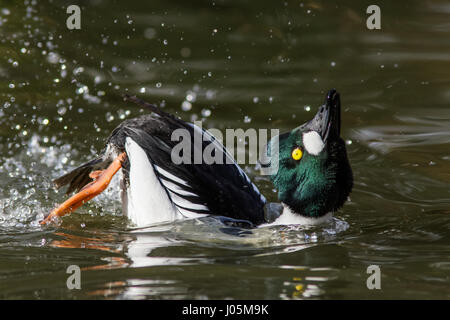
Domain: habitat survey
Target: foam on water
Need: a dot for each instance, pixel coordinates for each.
(211, 231)
(27, 192)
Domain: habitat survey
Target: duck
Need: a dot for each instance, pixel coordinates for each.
(313, 177)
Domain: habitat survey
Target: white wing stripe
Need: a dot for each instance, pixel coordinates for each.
(181, 202)
(177, 189)
(171, 176)
(189, 214)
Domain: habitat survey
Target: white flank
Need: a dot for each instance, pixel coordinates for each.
(288, 217)
(313, 142)
(148, 202)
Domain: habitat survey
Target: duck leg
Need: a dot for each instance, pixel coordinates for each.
(102, 178)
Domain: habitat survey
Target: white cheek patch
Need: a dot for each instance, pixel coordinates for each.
(313, 142)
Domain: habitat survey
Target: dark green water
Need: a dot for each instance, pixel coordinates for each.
(243, 64)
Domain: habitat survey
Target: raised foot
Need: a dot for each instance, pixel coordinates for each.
(102, 178)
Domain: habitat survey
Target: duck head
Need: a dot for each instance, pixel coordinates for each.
(314, 176)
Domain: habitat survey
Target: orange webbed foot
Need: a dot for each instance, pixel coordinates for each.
(102, 178)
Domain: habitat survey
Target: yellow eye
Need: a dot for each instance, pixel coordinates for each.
(297, 154)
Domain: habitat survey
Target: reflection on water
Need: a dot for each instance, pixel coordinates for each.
(230, 65)
(209, 232)
(152, 247)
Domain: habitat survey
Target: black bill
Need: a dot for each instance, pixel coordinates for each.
(327, 121)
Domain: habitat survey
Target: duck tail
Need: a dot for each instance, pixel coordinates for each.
(79, 177)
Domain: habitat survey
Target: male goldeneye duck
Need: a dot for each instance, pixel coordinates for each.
(314, 177)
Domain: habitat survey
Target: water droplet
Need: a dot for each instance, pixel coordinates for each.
(109, 117)
(206, 112)
(62, 110)
(186, 106)
(14, 194)
(191, 96)
(29, 193)
(121, 113)
(78, 70)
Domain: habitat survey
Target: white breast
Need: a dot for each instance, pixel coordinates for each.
(288, 217)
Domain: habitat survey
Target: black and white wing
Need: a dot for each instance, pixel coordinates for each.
(219, 188)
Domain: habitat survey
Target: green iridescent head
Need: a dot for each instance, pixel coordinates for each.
(314, 176)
